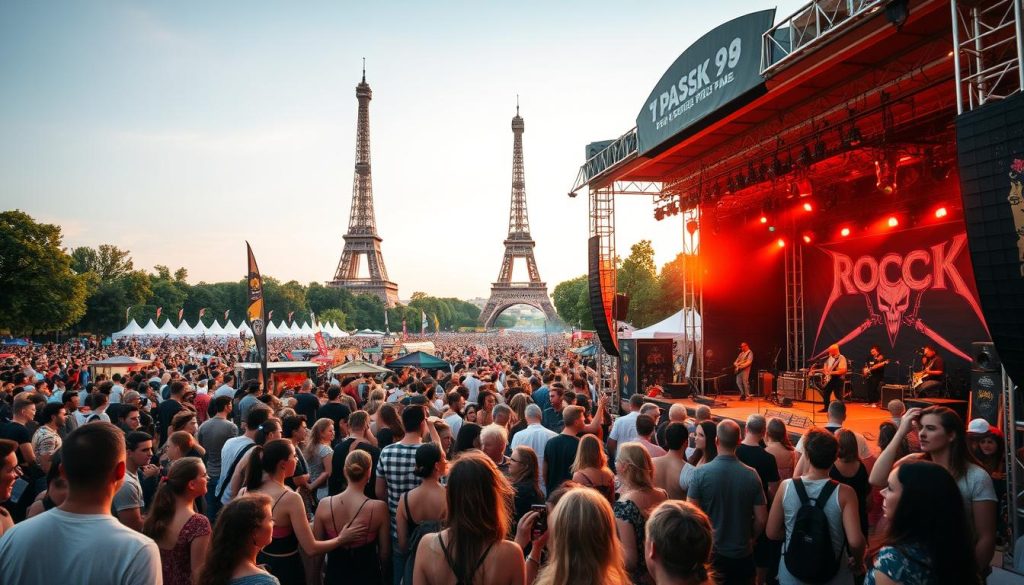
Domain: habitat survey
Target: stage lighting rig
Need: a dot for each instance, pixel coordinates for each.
(692, 226)
(897, 11)
(886, 164)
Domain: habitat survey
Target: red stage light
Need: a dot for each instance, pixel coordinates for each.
(893, 222)
(780, 243)
(764, 219)
(807, 238)
(844, 232)
(940, 212)
(808, 206)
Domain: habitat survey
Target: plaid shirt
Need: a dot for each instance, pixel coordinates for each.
(396, 465)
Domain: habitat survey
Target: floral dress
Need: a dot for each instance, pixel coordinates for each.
(906, 565)
(177, 562)
(628, 511)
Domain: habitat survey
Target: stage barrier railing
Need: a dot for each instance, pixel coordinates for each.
(809, 28)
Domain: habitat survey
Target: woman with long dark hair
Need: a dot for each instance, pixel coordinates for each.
(468, 439)
(56, 489)
(389, 426)
(705, 451)
(524, 473)
(943, 441)
(929, 539)
(473, 549)
(182, 534)
(362, 562)
(268, 467)
(244, 526)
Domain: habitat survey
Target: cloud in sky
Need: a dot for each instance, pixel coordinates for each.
(162, 128)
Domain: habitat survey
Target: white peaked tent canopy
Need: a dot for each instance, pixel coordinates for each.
(215, 329)
(306, 329)
(131, 330)
(185, 330)
(200, 328)
(244, 328)
(168, 329)
(230, 329)
(151, 329)
(672, 327)
(295, 330)
(272, 330)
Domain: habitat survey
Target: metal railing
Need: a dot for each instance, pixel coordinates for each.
(989, 55)
(621, 149)
(809, 27)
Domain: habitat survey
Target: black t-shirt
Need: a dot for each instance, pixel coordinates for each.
(307, 405)
(385, 437)
(18, 433)
(559, 453)
(165, 412)
(880, 371)
(335, 411)
(763, 463)
(337, 482)
(936, 364)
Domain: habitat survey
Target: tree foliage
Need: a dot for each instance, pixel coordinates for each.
(38, 289)
(572, 302)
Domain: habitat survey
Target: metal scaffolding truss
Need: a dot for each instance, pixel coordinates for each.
(693, 303)
(989, 59)
(794, 267)
(602, 225)
(809, 28)
(619, 151)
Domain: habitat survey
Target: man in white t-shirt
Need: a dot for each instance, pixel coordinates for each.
(624, 428)
(95, 547)
(535, 435)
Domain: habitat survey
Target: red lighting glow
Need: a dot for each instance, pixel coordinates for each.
(780, 243)
(808, 206)
(807, 239)
(940, 212)
(844, 232)
(893, 222)
(764, 219)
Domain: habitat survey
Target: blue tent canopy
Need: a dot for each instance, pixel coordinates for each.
(419, 359)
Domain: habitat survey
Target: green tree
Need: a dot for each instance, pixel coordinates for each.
(638, 279)
(109, 299)
(572, 302)
(670, 284)
(40, 292)
(505, 321)
(332, 316)
(107, 261)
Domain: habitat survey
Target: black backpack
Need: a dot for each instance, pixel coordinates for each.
(809, 555)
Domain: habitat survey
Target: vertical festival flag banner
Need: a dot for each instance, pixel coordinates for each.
(423, 322)
(386, 326)
(270, 315)
(158, 311)
(290, 317)
(226, 313)
(405, 330)
(202, 312)
(437, 325)
(318, 335)
(181, 313)
(255, 312)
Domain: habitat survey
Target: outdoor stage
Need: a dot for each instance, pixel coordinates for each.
(798, 418)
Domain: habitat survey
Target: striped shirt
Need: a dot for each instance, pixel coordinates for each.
(396, 465)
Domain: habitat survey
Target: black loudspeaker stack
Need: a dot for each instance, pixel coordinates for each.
(986, 382)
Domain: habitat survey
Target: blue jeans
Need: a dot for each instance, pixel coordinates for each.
(397, 563)
(213, 504)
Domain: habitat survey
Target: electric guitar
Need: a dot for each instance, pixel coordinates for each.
(868, 369)
(824, 373)
(916, 378)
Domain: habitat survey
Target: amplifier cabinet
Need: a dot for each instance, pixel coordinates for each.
(894, 392)
(793, 385)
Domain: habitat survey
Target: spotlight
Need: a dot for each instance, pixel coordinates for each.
(801, 188)
(885, 173)
(844, 232)
(893, 222)
(940, 212)
(897, 11)
(764, 219)
(819, 150)
(776, 169)
(808, 237)
(780, 243)
(771, 228)
(808, 206)
(854, 138)
(804, 158)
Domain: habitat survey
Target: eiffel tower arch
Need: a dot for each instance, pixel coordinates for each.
(519, 244)
(361, 240)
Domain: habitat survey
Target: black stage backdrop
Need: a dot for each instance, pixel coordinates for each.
(900, 291)
(744, 299)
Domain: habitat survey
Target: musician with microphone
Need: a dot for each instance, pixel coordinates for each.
(741, 366)
(930, 380)
(830, 375)
(874, 371)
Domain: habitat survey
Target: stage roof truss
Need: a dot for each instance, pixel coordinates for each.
(989, 64)
(809, 29)
(621, 150)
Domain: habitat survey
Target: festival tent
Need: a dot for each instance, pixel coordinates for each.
(200, 328)
(243, 327)
(185, 330)
(295, 330)
(131, 330)
(419, 359)
(168, 329)
(151, 329)
(671, 328)
(215, 329)
(272, 330)
(306, 329)
(358, 367)
(337, 332)
(230, 329)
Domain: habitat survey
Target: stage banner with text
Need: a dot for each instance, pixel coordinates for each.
(899, 291)
(718, 68)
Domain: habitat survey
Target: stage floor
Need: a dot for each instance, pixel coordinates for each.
(798, 418)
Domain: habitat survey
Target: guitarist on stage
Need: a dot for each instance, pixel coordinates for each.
(929, 381)
(742, 368)
(874, 370)
(832, 372)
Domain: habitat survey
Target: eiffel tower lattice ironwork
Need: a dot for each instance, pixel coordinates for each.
(519, 244)
(362, 239)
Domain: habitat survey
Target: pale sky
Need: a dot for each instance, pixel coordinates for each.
(178, 130)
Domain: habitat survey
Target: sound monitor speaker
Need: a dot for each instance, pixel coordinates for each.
(677, 389)
(621, 306)
(986, 395)
(893, 392)
(599, 310)
(985, 357)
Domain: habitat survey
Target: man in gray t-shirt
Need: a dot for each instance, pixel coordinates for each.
(730, 493)
(214, 433)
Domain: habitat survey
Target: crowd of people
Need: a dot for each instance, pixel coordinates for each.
(508, 468)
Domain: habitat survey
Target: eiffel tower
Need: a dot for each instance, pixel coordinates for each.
(362, 239)
(518, 244)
